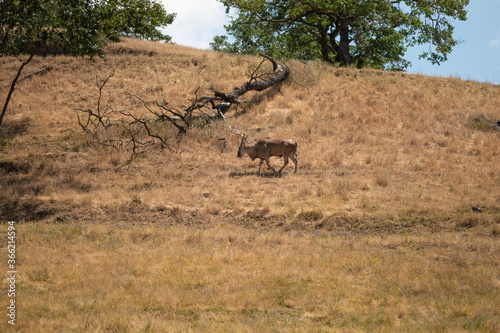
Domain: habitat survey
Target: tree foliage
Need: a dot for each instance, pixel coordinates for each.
(374, 33)
(74, 27)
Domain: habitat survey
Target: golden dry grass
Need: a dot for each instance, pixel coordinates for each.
(148, 277)
(371, 144)
(390, 165)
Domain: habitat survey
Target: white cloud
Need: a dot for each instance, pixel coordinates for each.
(494, 43)
(197, 22)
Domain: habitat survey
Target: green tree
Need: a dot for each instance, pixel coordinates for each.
(31, 28)
(374, 33)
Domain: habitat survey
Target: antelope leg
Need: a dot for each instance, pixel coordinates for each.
(294, 161)
(260, 165)
(284, 165)
(269, 165)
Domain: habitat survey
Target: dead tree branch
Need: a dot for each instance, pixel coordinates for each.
(98, 118)
(125, 130)
(257, 82)
(24, 77)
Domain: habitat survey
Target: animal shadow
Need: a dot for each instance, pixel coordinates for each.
(235, 174)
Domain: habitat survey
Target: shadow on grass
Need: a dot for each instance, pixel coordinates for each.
(12, 128)
(234, 174)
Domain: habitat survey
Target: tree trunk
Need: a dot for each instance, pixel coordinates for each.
(323, 43)
(341, 49)
(345, 55)
(12, 87)
(280, 73)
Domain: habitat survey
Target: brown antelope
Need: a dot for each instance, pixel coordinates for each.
(264, 149)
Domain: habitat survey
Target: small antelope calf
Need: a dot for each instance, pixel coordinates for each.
(264, 149)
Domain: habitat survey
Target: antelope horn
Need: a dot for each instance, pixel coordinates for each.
(235, 131)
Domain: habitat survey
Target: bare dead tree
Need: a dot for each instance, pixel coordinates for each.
(119, 129)
(124, 130)
(100, 117)
(95, 121)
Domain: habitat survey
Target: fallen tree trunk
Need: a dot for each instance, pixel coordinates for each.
(139, 132)
(257, 82)
(280, 74)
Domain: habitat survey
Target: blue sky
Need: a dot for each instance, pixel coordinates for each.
(477, 58)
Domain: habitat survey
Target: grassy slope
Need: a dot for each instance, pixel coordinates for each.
(371, 144)
(396, 155)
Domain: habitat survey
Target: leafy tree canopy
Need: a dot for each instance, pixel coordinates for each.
(374, 33)
(76, 27)
(73, 27)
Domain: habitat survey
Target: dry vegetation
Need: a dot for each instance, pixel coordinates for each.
(124, 277)
(375, 232)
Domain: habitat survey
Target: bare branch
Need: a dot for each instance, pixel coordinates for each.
(24, 77)
(140, 131)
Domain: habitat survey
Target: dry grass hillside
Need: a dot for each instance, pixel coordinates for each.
(388, 147)
(375, 232)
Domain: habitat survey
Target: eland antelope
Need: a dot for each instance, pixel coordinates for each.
(264, 149)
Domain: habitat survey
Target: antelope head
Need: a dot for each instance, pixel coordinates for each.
(241, 151)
